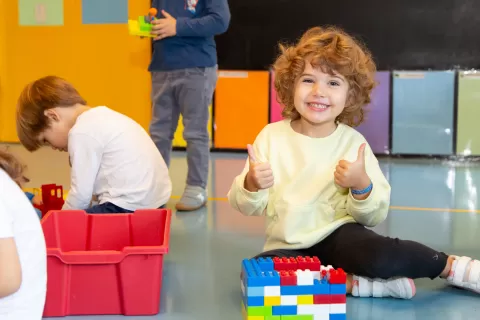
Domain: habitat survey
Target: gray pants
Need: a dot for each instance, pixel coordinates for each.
(189, 92)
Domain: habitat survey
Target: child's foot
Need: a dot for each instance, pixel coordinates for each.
(465, 273)
(401, 288)
(193, 198)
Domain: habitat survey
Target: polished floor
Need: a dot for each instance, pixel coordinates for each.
(434, 202)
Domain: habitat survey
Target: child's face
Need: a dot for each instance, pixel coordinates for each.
(320, 97)
(56, 135)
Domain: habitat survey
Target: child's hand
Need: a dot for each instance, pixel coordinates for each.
(352, 174)
(37, 200)
(260, 175)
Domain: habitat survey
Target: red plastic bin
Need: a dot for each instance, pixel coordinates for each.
(102, 264)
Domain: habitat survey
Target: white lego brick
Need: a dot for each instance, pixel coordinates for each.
(321, 317)
(338, 308)
(320, 310)
(316, 275)
(272, 291)
(288, 300)
(304, 277)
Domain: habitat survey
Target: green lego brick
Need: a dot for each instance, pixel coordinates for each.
(297, 317)
(273, 318)
(144, 26)
(259, 311)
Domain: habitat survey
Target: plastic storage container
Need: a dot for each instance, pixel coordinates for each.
(105, 263)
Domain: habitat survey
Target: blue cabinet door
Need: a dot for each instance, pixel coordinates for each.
(423, 112)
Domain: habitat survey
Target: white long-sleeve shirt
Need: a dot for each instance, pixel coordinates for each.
(114, 158)
(305, 205)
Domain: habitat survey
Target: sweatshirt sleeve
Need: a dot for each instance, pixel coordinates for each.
(86, 156)
(242, 200)
(374, 209)
(215, 21)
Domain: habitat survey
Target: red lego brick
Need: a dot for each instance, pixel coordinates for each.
(310, 263)
(52, 198)
(337, 276)
(288, 278)
(338, 298)
(324, 274)
(321, 299)
(284, 263)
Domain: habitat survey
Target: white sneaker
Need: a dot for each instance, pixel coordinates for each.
(458, 274)
(401, 288)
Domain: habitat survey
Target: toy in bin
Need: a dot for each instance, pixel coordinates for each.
(52, 198)
(143, 25)
(105, 264)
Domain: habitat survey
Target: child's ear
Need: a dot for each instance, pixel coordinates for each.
(51, 114)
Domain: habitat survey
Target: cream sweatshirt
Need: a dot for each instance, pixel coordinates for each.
(305, 205)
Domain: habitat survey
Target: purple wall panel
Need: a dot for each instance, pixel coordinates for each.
(376, 128)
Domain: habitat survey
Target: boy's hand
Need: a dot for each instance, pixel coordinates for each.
(165, 27)
(260, 175)
(352, 174)
(37, 200)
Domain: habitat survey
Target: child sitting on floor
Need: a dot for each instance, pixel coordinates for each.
(23, 256)
(112, 157)
(319, 184)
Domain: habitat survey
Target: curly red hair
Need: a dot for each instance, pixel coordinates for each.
(332, 50)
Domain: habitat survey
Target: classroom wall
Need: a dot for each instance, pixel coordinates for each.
(85, 41)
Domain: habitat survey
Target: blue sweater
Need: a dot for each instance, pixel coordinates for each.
(198, 21)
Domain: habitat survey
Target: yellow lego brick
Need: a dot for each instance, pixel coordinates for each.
(308, 299)
(272, 301)
(134, 29)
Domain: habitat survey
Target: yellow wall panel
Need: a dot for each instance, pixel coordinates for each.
(105, 63)
(178, 140)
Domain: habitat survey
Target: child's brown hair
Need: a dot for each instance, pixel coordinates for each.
(40, 95)
(330, 49)
(12, 167)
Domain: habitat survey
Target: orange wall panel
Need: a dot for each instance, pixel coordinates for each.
(241, 107)
(105, 63)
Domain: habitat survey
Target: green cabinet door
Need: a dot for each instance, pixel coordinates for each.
(468, 128)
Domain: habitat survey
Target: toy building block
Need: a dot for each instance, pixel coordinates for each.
(142, 26)
(52, 198)
(292, 289)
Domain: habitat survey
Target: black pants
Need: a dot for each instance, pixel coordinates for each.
(362, 252)
(109, 207)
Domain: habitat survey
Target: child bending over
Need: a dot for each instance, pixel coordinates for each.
(23, 256)
(112, 157)
(319, 184)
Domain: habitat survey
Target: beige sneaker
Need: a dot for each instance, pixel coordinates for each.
(193, 198)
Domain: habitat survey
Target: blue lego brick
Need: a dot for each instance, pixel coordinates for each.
(316, 288)
(338, 289)
(266, 264)
(255, 291)
(339, 316)
(284, 310)
(255, 301)
(255, 277)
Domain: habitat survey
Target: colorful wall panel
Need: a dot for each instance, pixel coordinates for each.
(376, 127)
(241, 107)
(178, 140)
(105, 63)
(275, 107)
(468, 114)
(423, 112)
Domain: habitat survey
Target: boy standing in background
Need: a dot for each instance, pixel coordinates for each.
(184, 76)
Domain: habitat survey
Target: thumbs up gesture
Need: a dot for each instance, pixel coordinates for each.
(352, 174)
(260, 175)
